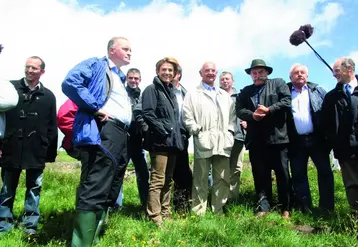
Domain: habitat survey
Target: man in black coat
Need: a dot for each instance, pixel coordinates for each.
(264, 106)
(30, 141)
(182, 176)
(340, 116)
(307, 140)
(136, 152)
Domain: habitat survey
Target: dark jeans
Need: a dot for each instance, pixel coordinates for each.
(350, 179)
(265, 158)
(10, 178)
(305, 147)
(137, 155)
(183, 182)
(103, 169)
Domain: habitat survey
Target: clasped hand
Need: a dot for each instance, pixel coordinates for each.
(260, 113)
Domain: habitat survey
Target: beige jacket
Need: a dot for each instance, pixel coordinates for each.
(209, 121)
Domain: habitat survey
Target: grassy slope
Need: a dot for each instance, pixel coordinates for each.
(130, 228)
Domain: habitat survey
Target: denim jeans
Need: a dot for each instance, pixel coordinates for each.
(10, 178)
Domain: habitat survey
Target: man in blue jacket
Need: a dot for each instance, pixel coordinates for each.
(96, 86)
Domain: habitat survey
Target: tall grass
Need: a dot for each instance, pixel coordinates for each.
(129, 226)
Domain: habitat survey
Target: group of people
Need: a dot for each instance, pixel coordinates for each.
(281, 124)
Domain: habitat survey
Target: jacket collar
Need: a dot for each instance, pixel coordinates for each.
(26, 89)
(310, 85)
(159, 83)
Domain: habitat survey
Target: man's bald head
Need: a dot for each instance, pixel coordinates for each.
(208, 73)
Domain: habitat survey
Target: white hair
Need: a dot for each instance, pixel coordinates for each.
(298, 65)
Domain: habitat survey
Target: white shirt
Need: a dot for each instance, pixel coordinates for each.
(118, 104)
(301, 111)
(37, 86)
(353, 84)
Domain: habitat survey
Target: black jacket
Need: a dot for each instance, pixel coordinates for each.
(272, 129)
(340, 118)
(316, 96)
(31, 130)
(135, 129)
(160, 112)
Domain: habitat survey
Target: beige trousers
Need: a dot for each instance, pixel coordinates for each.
(221, 186)
(162, 167)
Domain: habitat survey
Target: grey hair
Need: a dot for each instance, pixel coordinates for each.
(298, 65)
(348, 62)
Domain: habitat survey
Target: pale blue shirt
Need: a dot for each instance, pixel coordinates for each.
(211, 90)
(118, 104)
(301, 111)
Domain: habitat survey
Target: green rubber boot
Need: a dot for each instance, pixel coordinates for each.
(84, 229)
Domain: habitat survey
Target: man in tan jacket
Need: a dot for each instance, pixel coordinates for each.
(209, 115)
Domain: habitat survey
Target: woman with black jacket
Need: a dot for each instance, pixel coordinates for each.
(163, 139)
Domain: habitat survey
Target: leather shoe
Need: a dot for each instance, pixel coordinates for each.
(261, 214)
(286, 215)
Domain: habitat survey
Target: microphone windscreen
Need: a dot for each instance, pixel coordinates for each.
(307, 29)
(297, 37)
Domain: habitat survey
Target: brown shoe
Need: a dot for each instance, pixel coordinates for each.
(286, 215)
(261, 214)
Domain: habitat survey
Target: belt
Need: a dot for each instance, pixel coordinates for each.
(119, 123)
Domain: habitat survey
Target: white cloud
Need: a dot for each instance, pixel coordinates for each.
(63, 34)
(354, 55)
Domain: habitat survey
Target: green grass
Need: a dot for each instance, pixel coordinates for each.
(129, 227)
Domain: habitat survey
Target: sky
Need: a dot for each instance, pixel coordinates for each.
(227, 32)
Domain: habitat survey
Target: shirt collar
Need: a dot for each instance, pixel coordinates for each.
(304, 88)
(119, 72)
(353, 83)
(38, 85)
(209, 88)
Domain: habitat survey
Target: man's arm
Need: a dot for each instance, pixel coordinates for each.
(52, 132)
(189, 120)
(232, 118)
(242, 110)
(284, 97)
(75, 86)
(8, 96)
(138, 117)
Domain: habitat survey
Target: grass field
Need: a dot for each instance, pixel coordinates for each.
(129, 227)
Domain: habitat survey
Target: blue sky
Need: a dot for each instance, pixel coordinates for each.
(341, 40)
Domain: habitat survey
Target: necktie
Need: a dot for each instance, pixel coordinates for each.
(348, 90)
(120, 74)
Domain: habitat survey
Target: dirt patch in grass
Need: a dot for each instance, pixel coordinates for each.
(65, 167)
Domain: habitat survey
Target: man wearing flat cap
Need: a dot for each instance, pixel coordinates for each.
(264, 105)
